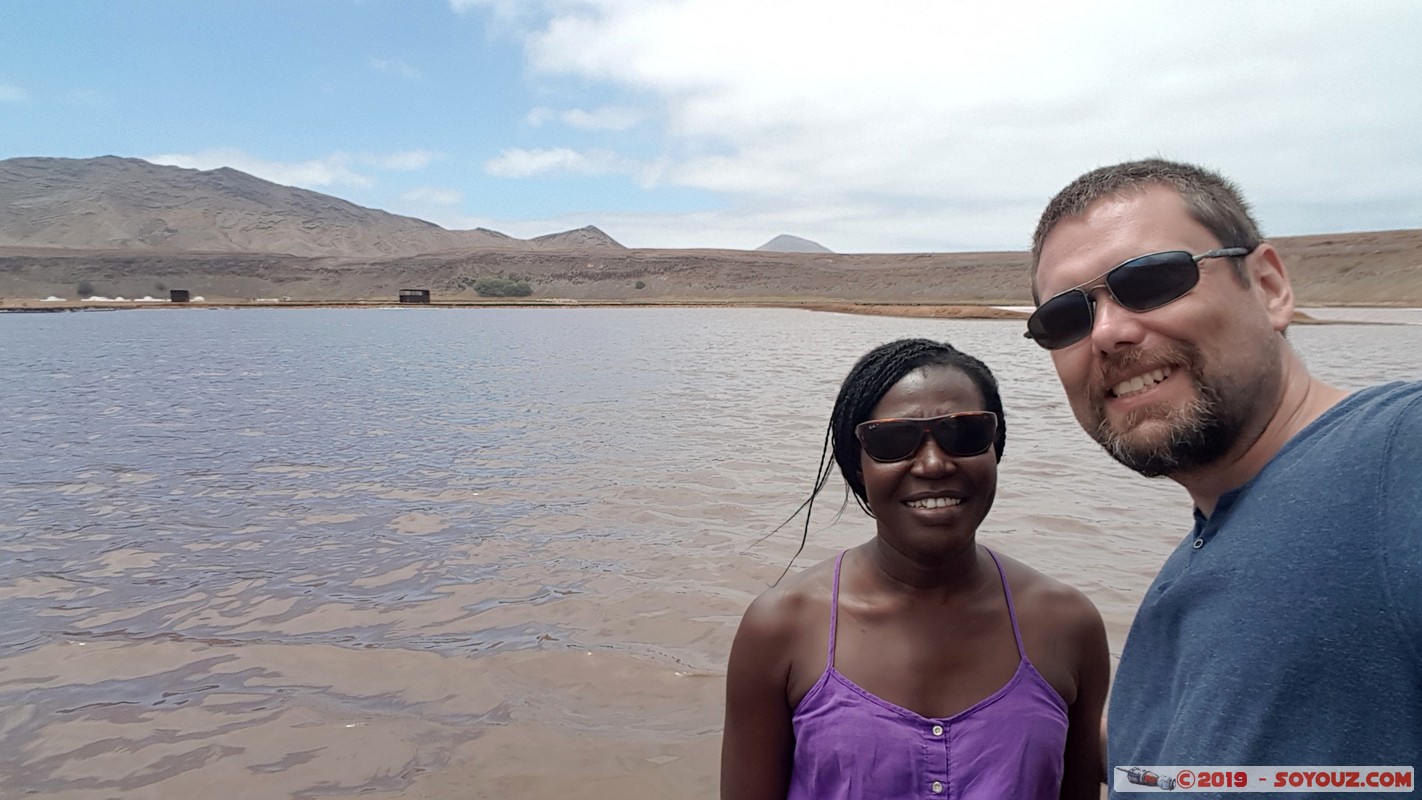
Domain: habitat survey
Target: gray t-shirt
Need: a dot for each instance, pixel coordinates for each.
(1286, 630)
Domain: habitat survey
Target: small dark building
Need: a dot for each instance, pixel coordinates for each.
(179, 295)
(414, 295)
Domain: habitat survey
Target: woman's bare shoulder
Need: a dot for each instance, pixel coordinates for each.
(789, 604)
(1039, 595)
(1062, 631)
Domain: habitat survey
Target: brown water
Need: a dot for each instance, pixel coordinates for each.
(453, 554)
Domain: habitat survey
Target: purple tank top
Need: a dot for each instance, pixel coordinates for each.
(851, 744)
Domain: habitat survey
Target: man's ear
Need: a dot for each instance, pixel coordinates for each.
(1271, 279)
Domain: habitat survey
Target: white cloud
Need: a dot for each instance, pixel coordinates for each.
(433, 195)
(90, 98)
(331, 171)
(519, 163)
(964, 118)
(607, 118)
(394, 66)
(406, 161)
(10, 93)
(507, 16)
(842, 228)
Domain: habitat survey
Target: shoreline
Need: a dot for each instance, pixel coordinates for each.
(944, 310)
(1333, 314)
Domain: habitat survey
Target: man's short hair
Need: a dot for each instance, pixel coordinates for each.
(1212, 200)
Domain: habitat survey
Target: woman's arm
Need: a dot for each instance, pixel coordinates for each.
(758, 745)
(1084, 766)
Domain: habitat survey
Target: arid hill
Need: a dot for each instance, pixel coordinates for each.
(115, 226)
(785, 243)
(127, 204)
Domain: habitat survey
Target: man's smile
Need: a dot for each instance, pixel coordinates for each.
(1140, 383)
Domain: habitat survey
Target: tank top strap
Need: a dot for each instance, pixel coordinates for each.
(1011, 609)
(834, 608)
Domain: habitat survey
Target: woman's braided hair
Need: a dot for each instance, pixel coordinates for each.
(877, 372)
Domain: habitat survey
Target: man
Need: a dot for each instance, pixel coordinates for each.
(1286, 629)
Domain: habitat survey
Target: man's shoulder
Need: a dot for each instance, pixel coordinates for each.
(1367, 418)
(1400, 397)
(1391, 412)
(1363, 439)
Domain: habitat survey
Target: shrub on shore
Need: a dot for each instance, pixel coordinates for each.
(502, 287)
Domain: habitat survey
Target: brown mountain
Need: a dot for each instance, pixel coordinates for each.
(125, 227)
(128, 204)
(585, 238)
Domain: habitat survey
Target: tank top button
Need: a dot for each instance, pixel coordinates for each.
(937, 787)
(937, 730)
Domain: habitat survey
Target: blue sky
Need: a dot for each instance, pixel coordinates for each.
(883, 126)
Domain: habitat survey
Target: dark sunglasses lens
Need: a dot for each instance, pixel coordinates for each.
(891, 441)
(967, 435)
(1140, 284)
(1152, 281)
(1061, 321)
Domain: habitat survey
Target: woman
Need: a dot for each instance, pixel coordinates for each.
(918, 664)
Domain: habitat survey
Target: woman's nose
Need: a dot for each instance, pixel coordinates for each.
(931, 460)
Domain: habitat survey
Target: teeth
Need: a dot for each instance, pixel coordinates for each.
(934, 502)
(1140, 382)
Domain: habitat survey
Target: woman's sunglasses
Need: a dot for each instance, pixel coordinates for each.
(1141, 284)
(968, 433)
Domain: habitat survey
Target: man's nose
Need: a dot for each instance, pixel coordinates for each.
(1114, 327)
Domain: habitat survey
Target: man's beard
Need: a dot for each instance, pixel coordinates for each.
(1197, 434)
(1194, 435)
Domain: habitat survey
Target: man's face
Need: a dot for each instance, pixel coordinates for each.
(1176, 388)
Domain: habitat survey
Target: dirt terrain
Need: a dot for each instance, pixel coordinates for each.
(123, 227)
(1383, 268)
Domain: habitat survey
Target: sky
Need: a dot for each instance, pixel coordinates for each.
(877, 126)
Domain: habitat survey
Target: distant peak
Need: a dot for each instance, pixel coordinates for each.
(586, 236)
(785, 243)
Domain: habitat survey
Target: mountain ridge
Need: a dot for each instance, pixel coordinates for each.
(128, 204)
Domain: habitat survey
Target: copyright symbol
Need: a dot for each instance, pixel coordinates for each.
(1185, 780)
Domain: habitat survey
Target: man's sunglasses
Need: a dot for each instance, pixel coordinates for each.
(968, 433)
(1141, 284)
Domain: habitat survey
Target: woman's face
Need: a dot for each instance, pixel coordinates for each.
(930, 502)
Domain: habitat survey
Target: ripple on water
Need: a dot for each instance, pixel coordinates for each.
(323, 553)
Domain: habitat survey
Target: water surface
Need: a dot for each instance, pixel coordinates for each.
(462, 553)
